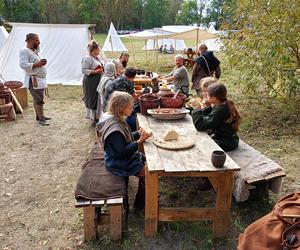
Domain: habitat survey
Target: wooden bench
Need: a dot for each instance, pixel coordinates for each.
(93, 217)
(257, 170)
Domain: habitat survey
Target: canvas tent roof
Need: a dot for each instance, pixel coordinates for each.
(143, 35)
(152, 44)
(188, 32)
(63, 45)
(3, 36)
(175, 32)
(113, 41)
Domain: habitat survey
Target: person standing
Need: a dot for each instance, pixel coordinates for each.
(179, 76)
(35, 75)
(92, 69)
(106, 81)
(121, 64)
(206, 65)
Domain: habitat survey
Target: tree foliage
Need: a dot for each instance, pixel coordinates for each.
(191, 12)
(265, 49)
(125, 14)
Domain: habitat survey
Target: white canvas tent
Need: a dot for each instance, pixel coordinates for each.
(113, 41)
(63, 45)
(3, 36)
(154, 45)
(214, 44)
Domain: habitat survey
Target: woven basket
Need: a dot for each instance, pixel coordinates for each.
(148, 101)
(13, 84)
(168, 101)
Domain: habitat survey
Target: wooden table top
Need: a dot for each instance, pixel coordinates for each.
(196, 158)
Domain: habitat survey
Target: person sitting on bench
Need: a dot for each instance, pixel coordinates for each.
(120, 144)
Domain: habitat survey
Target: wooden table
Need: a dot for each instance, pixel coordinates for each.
(194, 162)
(189, 61)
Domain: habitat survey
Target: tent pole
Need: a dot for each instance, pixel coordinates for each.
(112, 50)
(146, 49)
(197, 38)
(132, 52)
(156, 55)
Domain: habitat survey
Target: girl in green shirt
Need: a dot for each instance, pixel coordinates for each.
(222, 120)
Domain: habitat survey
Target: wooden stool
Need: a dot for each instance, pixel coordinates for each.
(93, 219)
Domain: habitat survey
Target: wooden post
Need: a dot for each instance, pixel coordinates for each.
(116, 222)
(151, 208)
(90, 228)
(223, 204)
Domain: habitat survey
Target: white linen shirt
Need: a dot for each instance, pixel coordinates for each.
(27, 59)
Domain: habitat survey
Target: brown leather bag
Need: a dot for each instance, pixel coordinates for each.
(278, 230)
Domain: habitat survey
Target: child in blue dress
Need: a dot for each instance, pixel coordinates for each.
(121, 154)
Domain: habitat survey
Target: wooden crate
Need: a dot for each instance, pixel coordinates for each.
(21, 95)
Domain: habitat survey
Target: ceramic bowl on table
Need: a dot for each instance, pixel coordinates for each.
(168, 113)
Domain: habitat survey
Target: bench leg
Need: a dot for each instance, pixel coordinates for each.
(116, 222)
(90, 227)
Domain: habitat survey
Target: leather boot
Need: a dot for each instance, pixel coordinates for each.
(40, 115)
(37, 116)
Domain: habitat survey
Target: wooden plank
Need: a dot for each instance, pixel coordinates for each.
(185, 214)
(277, 174)
(18, 106)
(151, 208)
(98, 203)
(114, 201)
(104, 219)
(150, 150)
(89, 223)
(116, 222)
(214, 182)
(82, 203)
(223, 204)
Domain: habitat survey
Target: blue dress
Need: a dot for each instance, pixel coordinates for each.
(121, 154)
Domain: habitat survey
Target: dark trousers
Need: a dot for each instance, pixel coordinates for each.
(139, 202)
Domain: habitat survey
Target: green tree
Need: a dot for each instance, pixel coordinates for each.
(155, 13)
(21, 11)
(265, 49)
(191, 11)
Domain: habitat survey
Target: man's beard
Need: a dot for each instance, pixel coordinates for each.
(124, 64)
(36, 48)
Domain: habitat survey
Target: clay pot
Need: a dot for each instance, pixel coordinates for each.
(164, 91)
(218, 158)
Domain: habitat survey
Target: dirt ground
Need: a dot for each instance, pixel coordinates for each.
(40, 166)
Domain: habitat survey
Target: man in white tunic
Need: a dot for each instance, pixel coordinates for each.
(35, 75)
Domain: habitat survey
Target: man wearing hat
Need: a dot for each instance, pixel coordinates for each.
(35, 75)
(179, 76)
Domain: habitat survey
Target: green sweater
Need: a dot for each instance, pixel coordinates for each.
(214, 119)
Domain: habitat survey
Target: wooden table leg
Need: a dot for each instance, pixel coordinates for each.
(151, 208)
(223, 204)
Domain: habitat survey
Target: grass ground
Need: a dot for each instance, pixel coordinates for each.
(40, 167)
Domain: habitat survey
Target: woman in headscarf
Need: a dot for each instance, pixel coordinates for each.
(92, 68)
(107, 78)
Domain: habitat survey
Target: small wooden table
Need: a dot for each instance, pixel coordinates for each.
(189, 61)
(194, 162)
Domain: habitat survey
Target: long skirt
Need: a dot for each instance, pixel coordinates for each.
(90, 93)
